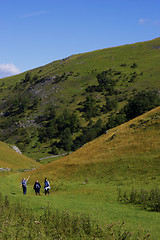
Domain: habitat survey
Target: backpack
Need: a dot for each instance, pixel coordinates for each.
(46, 184)
(37, 185)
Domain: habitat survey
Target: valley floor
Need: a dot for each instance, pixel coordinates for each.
(99, 200)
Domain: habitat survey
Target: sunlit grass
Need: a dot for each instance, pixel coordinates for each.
(13, 160)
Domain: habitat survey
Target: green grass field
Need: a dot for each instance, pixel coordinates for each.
(98, 200)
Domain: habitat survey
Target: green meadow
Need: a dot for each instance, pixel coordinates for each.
(96, 200)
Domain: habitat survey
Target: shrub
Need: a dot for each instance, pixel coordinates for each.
(149, 200)
(134, 65)
(54, 150)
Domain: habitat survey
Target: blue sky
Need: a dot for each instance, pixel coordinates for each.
(36, 32)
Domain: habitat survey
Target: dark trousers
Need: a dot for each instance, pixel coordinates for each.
(46, 191)
(37, 191)
(24, 189)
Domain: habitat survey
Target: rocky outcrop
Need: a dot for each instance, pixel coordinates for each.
(15, 148)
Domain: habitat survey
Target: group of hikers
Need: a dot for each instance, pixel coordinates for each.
(37, 186)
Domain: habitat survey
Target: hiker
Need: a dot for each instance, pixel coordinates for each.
(37, 187)
(24, 184)
(46, 186)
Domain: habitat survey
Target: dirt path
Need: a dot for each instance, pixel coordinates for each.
(63, 154)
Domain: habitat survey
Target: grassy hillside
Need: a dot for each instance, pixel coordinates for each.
(128, 152)
(13, 160)
(65, 84)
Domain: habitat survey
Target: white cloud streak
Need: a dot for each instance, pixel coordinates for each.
(8, 69)
(33, 14)
(149, 22)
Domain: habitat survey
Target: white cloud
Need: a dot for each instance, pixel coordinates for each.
(8, 69)
(148, 22)
(142, 21)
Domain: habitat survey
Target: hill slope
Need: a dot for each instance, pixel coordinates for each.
(129, 151)
(28, 98)
(13, 160)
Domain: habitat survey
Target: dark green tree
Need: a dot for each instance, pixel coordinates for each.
(90, 107)
(141, 103)
(42, 135)
(19, 104)
(90, 132)
(49, 113)
(66, 140)
(106, 82)
(54, 150)
(27, 77)
(63, 121)
(51, 129)
(74, 123)
(115, 120)
(110, 105)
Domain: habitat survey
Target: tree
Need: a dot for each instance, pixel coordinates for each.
(90, 132)
(141, 103)
(50, 113)
(110, 105)
(19, 104)
(106, 82)
(74, 123)
(63, 121)
(51, 129)
(42, 135)
(27, 77)
(90, 107)
(115, 120)
(54, 150)
(66, 140)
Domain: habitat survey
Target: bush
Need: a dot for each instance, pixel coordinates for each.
(134, 65)
(54, 150)
(149, 200)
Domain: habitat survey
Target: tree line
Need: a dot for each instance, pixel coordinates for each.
(64, 126)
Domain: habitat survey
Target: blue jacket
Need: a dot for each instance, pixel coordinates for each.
(46, 185)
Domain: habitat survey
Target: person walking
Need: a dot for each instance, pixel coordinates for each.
(46, 186)
(24, 184)
(37, 187)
